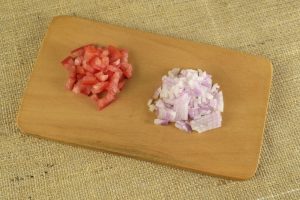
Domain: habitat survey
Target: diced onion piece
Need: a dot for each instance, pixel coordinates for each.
(190, 99)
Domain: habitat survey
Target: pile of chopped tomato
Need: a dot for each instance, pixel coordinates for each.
(98, 72)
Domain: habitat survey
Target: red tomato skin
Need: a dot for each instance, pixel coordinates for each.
(70, 83)
(114, 53)
(67, 62)
(127, 70)
(89, 80)
(86, 90)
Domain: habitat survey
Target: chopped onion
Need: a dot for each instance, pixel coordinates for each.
(190, 99)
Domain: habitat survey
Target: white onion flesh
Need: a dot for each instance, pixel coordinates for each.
(190, 99)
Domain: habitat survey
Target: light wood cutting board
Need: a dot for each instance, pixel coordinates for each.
(126, 127)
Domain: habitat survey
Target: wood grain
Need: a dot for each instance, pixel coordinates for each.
(126, 127)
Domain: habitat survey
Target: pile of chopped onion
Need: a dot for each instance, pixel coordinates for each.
(188, 98)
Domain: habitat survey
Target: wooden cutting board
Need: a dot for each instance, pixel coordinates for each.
(126, 127)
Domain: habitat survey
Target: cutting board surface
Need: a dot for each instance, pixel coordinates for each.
(126, 126)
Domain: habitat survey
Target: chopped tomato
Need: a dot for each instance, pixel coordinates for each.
(88, 68)
(90, 51)
(72, 74)
(77, 52)
(114, 82)
(116, 63)
(97, 72)
(80, 70)
(89, 80)
(109, 73)
(71, 69)
(101, 77)
(106, 100)
(124, 58)
(77, 88)
(121, 84)
(89, 74)
(86, 90)
(70, 83)
(96, 63)
(127, 69)
(78, 60)
(105, 60)
(79, 76)
(68, 62)
(99, 87)
(114, 53)
(105, 53)
(113, 68)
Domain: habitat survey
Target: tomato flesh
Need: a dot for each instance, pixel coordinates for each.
(97, 72)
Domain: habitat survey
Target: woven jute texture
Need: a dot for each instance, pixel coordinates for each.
(33, 168)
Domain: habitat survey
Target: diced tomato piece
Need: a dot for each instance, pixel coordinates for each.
(78, 60)
(96, 63)
(101, 77)
(80, 70)
(112, 68)
(90, 48)
(79, 76)
(89, 74)
(124, 58)
(70, 83)
(105, 60)
(114, 53)
(86, 90)
(71, 69)
(109, 73)
(114, 82)
(67, 62)
(124, 66)
(99, 87)
(117, 76)
(121, 84)
(89, 80)
(113, 88)
(77, 52)
(105, 53)
(90, 51)
(88, 68)
(72, 74)
(116, 63)
(100, 50)
(106, 100)
(128, 72)
(122, 77)
(77, 88)
(127, 69)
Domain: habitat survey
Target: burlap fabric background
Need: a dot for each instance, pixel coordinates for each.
(32, 168)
